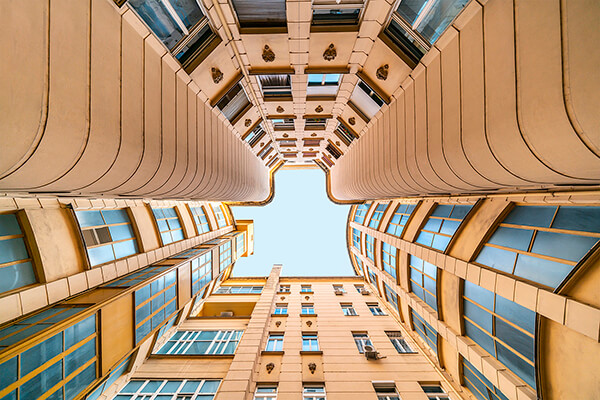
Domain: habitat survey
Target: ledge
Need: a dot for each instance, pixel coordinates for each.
(279, 315)
(311, 292)
(308, 315)
(272, 353)
(310, 353)
(192, 356)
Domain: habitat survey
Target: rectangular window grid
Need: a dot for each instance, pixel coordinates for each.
(356, 238)
(359, 265)
(201, 272)
(400, 218)
(219, 215)
(16, 267)
(370, 247)
(339, 288)
(239, 290)
(284, 288)
(387, 391)
(372, 276)
(478, 384)
(348, 309)
(424, 330)
(275, 342)
(377, 215)
(442, 225)
(542, 243)
(435, 392)
(265, 392)
(199, 215)
(388, 256)
(501, 327)
(310, 342)
(361, 340)
(184, 389)
(306, 289)
(154, 303)
(423, 280)
(224, 256)
(139, 276)
(116, 373)
(240, 244)
(361, 213)
(313, 393)
(391, 296)
(202, 342)
(108, 235)
(359, 288)
(61, 366)
(399, 342)
(281, 309)
(169, 225)
(189, 253)
(170, 323)
(375, 309)
(308, 309)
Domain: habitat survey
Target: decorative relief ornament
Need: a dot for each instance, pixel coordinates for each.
(352, 120)
(270, 367)
(268, 54)
(277, 323)
(382, 72)
(309, 323)
(262, 144)
(247, 122)
(282, 297)
(310, 149)
(217, 75)
(285, 135)
(337, 142)
(279, 109)
(313, 134)
(312, 367)
(330, 53)
(319, 109)
(307, 297)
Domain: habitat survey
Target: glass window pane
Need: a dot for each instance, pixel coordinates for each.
(516, 364)
(514, 238)
(478, 315)
(479, 295)
(76, 333)
(124, 249)
(531, 216)
(38, 355)
(586, 219)
(515, 313)
(188, 11)
(151, 387)
(9, 372)
(42, 382)
(546, 272)
(16, 276)
(79, 357)
(9, 225)
(480, 337)
(12, 250)
(120, 232)
(132, 386)
(155, 15)
(562, 245)
(89, 218)
(502, 260)
(101, 254)
(516, 339)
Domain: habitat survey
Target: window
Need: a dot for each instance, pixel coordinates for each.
(16, 268)
(306, 289)
(219, 215)
(202, 342)
(377, 215)
(391, 296)
(154, 303)
(434, 392)
(333, 150)
(386, 391)
(240, 244)
(62, 365)
(315, 123)
(370, 247)
(359, 288)
(372, 276)
(366, 100)
(311, 142)
(313, 392)
(344, 133)
(542, 243)
(426, 331)
(116, 373)
(139, 276)
(284, 288)
(375, 309)
(281, 309)
(163, 329)
(168, 224)
(442, 225)
(502, 328)
(275, 342)
(361, 340)
(308, 309)
(400, 218)
(359, 265)
(225, 256)
(344, 13)
(356, 238)
(430, 18)
(181, 26)
(310, 342)
(478, 384)
(108, 235)
(338, 288)
(255, 135)
(201, 272)
(348, 309)
(239, 290)
(399, 342)
(190, 253)
(271, 14)
(176, 389)
(423, 281)
(234, 103)
(323, 84)
(275, 85)
(200, 219)
(264, 152)
(283, 124)
(361, 212)
(388, 256)
(265, 392)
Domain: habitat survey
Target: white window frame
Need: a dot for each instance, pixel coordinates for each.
(308, 307)
(275, 340)
(376, 309)
(348, 310)
(304, 287)
(280, 307)
(307, 395)
(186, 340)
(265, 395)
(312, 339)
(137, 395)
(361, 340)
(399, 343)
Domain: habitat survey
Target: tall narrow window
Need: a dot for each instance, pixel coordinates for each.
(240, 244)
(478, 384)
(108, 235)
(169, 225)
(359, 265)
(361, 213)
(400, 219)
(372, 276)
(377, 215)
(370, 247)
(201, 272)
(386, 391)
(435, 392)
(348, 309)
(265, 392)
(391, 296)
(356, 238)
(542, 243)
(313, 392)
(181, 389)
(224, 255)
(202, 224)
(426, 331)
(275, 342)
(423, 278)
(202, 342)
(361, 340)
(219, 215)
(234, 104)
(310, 342)
(359, 288)
(16, 268)
(399, 342)
(154, 303)
(388, 256)
(442, 225)
(375, 309)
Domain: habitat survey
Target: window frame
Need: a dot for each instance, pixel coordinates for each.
(157, 225)
(218, 344)
(307, 307)
(399, 342)
(312, 338)
(28, 244)
(361, 339)
(274, 342)
(348, 310)
(376, 309)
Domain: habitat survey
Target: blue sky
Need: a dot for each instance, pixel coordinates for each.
(300, 229)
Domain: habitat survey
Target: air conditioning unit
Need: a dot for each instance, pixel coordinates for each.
(339, 292)
(226, 314)
(371, 353)
(364, 291)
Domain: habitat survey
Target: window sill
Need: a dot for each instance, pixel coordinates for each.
(351, 315)
(283, 293)
(192, 356)
(308, 315)
(309, 352)
(272, 353)
(279, 315)
(311, 292)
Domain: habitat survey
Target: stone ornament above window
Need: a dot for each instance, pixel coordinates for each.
(382, 72)
(285, 135)
(352, 120)
(312, 367)
(270, 367)
(247, 122)
(217, 75)
(268, 54)
(330, 53)
(280, 109)
(319, 109)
